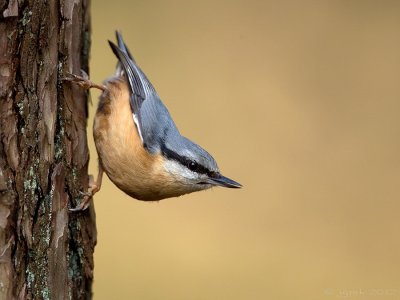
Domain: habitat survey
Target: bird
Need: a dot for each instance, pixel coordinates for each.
(138, 144)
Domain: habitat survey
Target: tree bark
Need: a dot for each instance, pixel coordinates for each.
(46, 252)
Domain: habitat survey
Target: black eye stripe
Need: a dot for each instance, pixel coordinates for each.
(195, 167)
(187, 162)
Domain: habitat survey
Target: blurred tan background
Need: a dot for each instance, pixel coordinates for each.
(297, 100)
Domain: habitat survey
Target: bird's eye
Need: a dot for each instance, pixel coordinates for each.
(192, 165)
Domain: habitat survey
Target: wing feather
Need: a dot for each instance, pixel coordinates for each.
(149, 114)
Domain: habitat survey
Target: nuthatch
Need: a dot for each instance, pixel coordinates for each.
(138, 144)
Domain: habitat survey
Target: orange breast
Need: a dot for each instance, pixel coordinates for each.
(125, 161)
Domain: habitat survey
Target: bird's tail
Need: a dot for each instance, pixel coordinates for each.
(121, 45)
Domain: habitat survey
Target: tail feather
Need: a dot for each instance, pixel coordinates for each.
(122, 45)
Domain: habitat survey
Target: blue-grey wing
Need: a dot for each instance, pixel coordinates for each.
(151, 117)
(157, 124)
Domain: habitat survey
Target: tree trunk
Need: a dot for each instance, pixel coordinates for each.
(46, 252)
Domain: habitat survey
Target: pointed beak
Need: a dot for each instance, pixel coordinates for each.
(224, 182)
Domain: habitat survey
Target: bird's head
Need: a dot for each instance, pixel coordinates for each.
(193, 167)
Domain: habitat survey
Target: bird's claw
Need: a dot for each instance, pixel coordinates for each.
(85, 203)
(85, 194)
(87, 197)
(82, 206)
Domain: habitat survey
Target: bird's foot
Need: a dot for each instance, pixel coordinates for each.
(87, 196)
(83, 81)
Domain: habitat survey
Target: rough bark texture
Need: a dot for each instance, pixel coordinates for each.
(45, 251)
